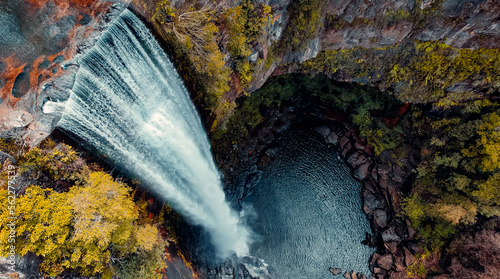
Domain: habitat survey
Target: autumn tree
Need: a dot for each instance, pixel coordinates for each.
(192, 31)
(43, 226)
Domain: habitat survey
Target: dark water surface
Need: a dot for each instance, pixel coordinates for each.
(309, 213)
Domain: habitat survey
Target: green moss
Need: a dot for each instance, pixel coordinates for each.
(419, 72)
(304, 24)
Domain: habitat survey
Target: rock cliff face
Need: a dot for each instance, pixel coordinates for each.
(377, 24)
(31, 58)
(40, 40)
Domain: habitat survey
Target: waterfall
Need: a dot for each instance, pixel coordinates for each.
(130, 104)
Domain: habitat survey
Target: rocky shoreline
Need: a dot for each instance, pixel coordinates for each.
(382, 179)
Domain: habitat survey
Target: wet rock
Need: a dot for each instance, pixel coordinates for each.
(369, 185)
(335, 271)
(264, 162)
(354, 275)
(380, 218)
(346, 148)
(332, 138)
(356, 159)
(323, 131)
(347, 275)
(361, 276)
(373, 261)
(379, 272)
(370, 240)
(370, 202)
(361, 173)
(343, 142)
(385, 261)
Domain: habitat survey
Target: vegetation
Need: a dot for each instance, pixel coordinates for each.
(365, 106)
(79, 218)
(202, 35)
(304, 24)
(419, 72)
(458, 180)
(245, 24)
(192, 32)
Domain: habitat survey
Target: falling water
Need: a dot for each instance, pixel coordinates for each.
(129, 103)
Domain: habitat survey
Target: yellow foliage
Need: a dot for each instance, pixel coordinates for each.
(104, 211)
(147, 237)
(43, 226)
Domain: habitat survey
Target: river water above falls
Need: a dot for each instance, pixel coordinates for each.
(309, 215)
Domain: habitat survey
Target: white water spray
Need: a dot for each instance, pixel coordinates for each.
(129, 103)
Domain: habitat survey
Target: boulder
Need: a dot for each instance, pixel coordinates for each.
(379, 271)
(409, 258)
(373, 261)
(398, 173)
(356, 159)
(343, 141)
(390, 235)
(370, 202)
(322, 131)
(385, 261)
(397, 275)
(369, 185)
(362, 171)
(347, 275)
(358, 142)
(332, 138)
(380, 218)
(399, 259)
(354, 275)
(361, 276)
(335, 271)
(346, 148)
(391, 247)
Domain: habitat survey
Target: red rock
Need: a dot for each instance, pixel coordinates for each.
(379, 271)
(385, 261)
(343, 141)
(409, 258)
(397, 275)
(391, 246)
(354, 275)
(356, 159)
(346, 148)
(399, 259)
(335, 271)
(347, 275)
(373, 261)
